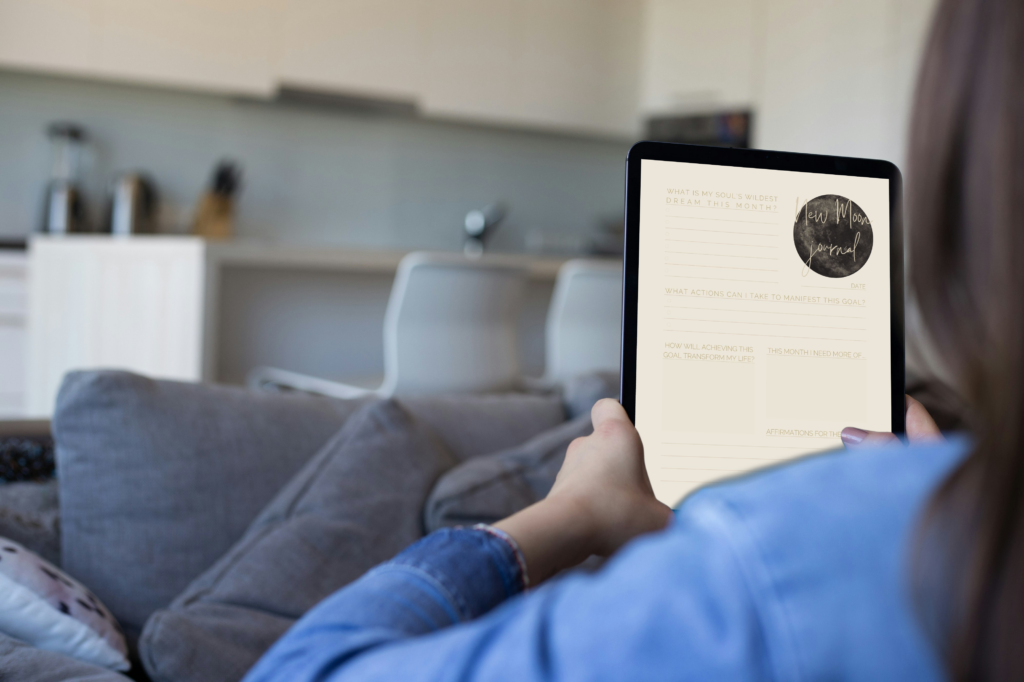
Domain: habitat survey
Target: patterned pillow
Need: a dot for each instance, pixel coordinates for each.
(42, 606)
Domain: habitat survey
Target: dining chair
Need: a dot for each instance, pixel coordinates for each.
(450, 327)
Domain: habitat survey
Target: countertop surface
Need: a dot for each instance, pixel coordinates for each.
(245, 253)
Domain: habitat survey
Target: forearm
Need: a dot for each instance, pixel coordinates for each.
(449, 577)
(553, 534)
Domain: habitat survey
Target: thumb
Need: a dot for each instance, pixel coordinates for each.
(859, 438)
(607, 410)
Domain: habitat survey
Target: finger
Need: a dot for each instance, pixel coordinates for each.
(920, 425)
(607, 409)
(859, 438)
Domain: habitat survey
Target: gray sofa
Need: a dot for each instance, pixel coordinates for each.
(208, 518)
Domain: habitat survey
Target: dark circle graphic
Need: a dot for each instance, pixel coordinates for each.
(832, 236)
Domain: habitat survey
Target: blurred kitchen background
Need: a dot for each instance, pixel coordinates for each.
(316, 142)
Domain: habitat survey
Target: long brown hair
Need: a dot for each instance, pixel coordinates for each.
(966, 203)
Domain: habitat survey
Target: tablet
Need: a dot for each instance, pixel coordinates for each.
(762, 307)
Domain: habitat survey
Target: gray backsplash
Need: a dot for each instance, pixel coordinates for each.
(311, 175)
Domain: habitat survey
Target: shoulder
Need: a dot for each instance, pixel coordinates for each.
(864, 483)
(866, 491)
(823, 543)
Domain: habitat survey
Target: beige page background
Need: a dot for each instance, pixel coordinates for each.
(745, 356)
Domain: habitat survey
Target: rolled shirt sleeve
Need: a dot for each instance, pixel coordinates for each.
(451, 576)
(675, 605)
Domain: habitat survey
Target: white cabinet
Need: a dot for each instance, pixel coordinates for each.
(700, 56)
(12, 333)
(370, 48)
(96, 302)
(558, 64)
(471, 57)
(555, 64)
(222, 45)
(47, 35)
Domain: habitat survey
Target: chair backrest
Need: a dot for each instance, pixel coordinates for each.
(451, 325)
(584, 319)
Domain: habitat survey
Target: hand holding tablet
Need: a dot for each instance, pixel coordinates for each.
(762, 307)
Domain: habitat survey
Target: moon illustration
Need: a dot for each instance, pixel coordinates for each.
(832, 236)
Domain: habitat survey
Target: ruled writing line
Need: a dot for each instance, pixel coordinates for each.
(721, 279)
(766, 336)
(726, 445)
(768, 324)
(697, 229)
(720, 220)
(724, 255)
(715, 298)
(723, 267)
(766, 312)
(753, 246)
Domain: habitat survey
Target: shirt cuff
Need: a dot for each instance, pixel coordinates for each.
(478, 567)
(510, 541)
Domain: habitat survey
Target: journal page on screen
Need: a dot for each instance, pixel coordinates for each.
(762, 317)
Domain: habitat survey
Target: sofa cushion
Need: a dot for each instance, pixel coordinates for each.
(23, 663)
(355, 504)
(489, 488)
(159, 478)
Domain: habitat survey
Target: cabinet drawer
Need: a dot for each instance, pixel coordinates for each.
(13, 302)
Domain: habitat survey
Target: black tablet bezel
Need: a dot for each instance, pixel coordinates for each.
(751, 158)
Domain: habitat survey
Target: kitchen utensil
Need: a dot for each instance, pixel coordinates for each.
(480, 224)
(214, 217)
(133, 205)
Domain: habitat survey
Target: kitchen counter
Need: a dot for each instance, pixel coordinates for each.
(262, 254)
(185, 308)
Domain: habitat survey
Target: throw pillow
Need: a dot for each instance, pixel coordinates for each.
(21, 662)
(355, 504)
(42, 606)
(487, 489)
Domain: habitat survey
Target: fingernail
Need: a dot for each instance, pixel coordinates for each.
(853, 436)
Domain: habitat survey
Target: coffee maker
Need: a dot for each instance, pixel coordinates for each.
(64, 208)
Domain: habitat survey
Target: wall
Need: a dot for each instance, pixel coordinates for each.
(312, 175)
(822, 76)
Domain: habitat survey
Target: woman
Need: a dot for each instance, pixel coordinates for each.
(884, 562)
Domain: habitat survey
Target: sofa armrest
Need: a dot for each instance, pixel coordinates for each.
(25, 428)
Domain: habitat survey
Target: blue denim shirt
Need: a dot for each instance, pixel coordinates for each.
(799, 572)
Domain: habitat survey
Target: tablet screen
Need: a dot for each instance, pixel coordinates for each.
(763, 317)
